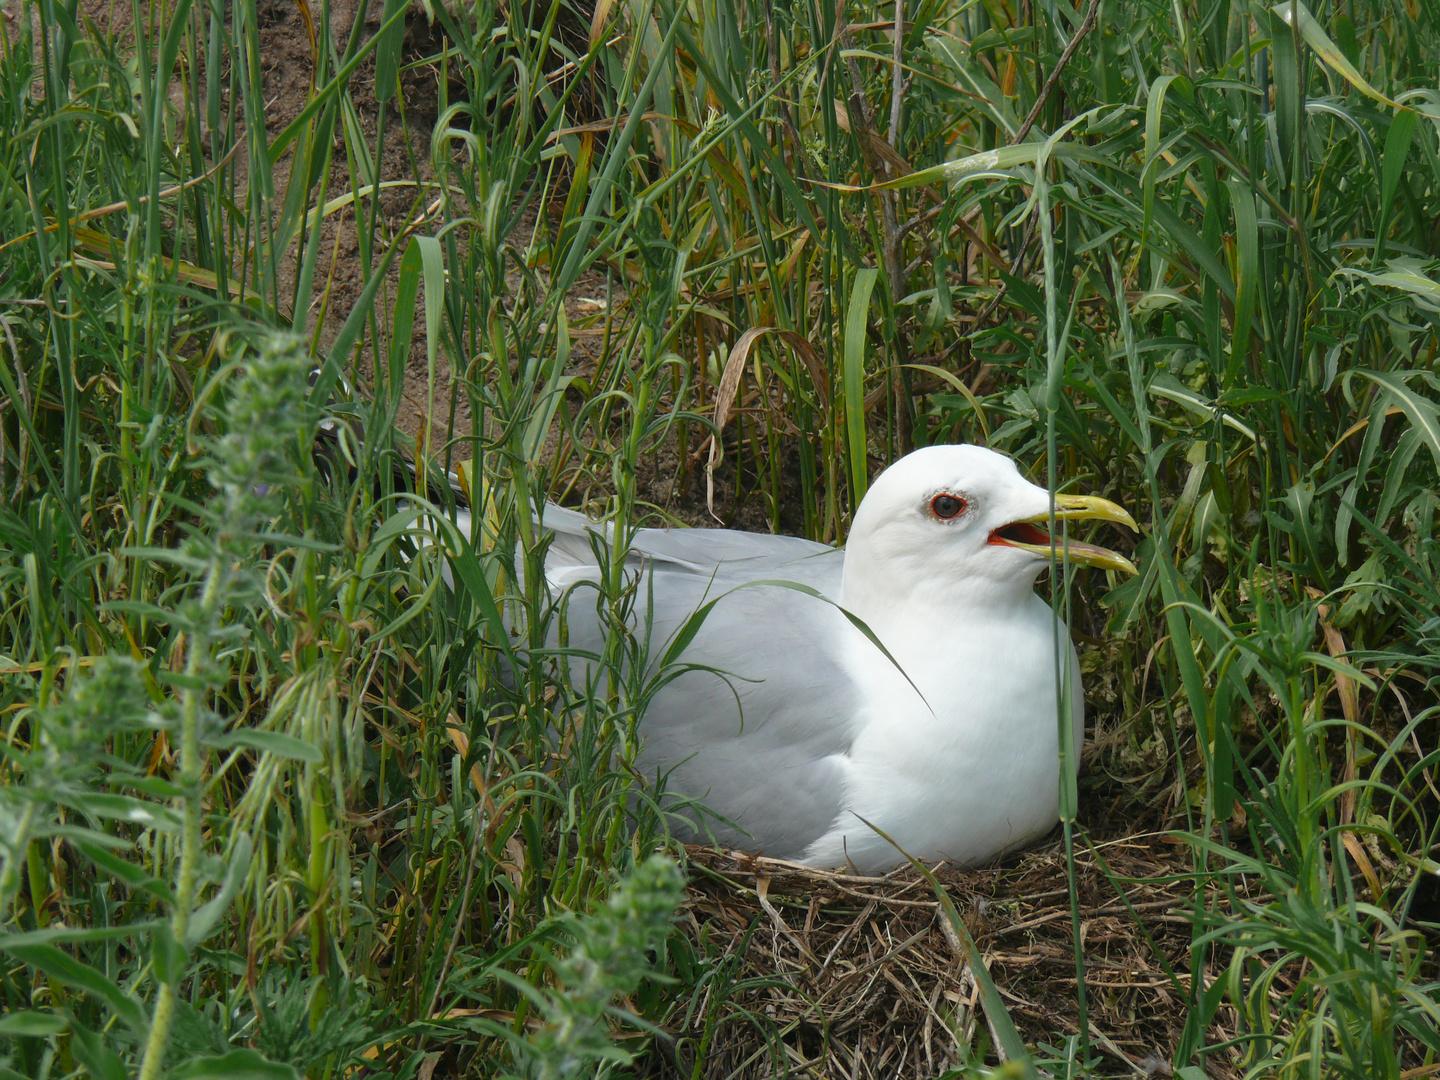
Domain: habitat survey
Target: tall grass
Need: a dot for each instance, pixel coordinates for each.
(279, 796)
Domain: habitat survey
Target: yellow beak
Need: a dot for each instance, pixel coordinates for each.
(1029, 535)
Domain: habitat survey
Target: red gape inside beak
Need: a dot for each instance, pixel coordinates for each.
(1029, 536)
(1019, 532)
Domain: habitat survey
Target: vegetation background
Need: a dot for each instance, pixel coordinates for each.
(286, 791)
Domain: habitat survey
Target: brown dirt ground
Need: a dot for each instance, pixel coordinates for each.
(669, 479)
(288, 69)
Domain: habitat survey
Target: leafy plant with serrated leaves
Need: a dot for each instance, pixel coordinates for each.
(144, 829)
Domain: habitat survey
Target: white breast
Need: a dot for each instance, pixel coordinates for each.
(970, 771)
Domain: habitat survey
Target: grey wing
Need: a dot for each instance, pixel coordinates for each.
(754, 719)
(757, 725)
(722, 554)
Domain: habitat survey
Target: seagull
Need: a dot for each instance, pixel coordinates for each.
(850, 707)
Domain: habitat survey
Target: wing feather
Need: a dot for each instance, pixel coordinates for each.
(754, 722)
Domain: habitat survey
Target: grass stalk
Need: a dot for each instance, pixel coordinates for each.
(188, 808)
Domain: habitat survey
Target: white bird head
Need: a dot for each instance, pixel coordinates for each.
(960, 525)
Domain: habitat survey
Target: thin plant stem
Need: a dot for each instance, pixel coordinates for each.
(189, 807)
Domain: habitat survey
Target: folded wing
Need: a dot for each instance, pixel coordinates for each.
(754, 720)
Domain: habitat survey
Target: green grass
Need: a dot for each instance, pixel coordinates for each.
(274, 795)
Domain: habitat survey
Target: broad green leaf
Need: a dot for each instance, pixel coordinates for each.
(80, 975)
(973, 165)
(1247, 240)
(1408, 275)
(681, 639)
(34, 1025)
(1423, 414)
(387, 50)
(135, 877)
(1154, 112)
(1163, 384)
(167, 954)
(1397, 151)
(269, 742)
(155, 786)
(1288, 90)
(91, 1051)
(146, 815)
(958, 385)
(1172, 226)
(432, 259)
(1294, 13)
(207, 917)
(856, 321)
(403, 522)
(76, 933)
(973, 83)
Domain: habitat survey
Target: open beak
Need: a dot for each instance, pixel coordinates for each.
(1030, 535)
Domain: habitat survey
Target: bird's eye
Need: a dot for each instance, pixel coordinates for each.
(946, 507)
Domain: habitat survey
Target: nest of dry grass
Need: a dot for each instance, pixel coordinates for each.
(822, 974)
